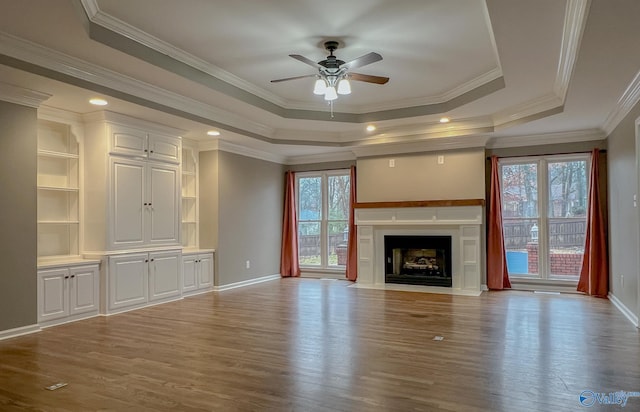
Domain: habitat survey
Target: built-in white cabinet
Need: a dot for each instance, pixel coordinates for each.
(133, 183)
(58, 191)
(136, 279)
(67, 293)
(197, 272)
(144, 205)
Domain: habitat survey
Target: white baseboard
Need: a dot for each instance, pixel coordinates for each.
(246, 282)
(24, 330)
(625, 310)
(484, 288)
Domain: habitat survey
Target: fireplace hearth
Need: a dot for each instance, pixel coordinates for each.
(418, 260)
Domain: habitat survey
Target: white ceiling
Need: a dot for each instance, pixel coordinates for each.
(508, 72)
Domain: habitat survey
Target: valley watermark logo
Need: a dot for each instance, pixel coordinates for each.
(589, 398)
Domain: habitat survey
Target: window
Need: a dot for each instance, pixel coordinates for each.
(544, 205)
(323, 213)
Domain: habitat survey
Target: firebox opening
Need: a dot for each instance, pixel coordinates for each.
(418, 260)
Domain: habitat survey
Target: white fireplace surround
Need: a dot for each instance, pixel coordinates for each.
(462, 223)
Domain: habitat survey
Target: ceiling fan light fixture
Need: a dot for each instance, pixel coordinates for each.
(344, 87)
(320, 87)
(330, 94)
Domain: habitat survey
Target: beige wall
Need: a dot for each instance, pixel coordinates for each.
(241, 200)
(18, 216)
(623, 217)
(420, 177)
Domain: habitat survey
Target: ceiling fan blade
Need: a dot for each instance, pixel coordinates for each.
(368, 78)
(293, 78)
(362, 61)
(305, 60)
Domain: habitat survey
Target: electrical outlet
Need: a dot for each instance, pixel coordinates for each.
(248, 264)
(440, 160)
(392, 162)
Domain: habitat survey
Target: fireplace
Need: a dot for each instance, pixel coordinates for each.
(418, 260)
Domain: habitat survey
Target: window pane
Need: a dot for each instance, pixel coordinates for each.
(309, 243)
(310, 198)
(567, 223)
(337, 241)
(338, 197)
(521, 245)
(520, 190)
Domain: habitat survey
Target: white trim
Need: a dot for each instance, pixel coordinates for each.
(34, 53)
(625, 103)
(20, 95)
(244, 283)
(321, 158)
(575, 20)
(623, 309)
(15, 332)
(532, 107)
(430, 144)
(122, 119)
(546, 139)
(225, 146)
(484, 287)
(116, 25)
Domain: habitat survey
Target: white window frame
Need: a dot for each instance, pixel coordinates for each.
(324, 212)
(542, 162)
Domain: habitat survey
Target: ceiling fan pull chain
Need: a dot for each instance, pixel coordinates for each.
(331, 105)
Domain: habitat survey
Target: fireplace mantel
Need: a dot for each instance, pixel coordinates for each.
(463, 223)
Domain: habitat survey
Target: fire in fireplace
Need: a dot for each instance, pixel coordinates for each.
(418, 260)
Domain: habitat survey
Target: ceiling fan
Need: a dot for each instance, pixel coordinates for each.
(334, 74)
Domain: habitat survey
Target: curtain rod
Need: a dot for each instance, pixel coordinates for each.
(547, 154)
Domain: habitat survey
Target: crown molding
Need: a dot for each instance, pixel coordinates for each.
(20, 95)
(55, 114)
(575, 20)
(298, 109)
(118, 118)
(36, 54)
(224, 146)
(625, 103)
(429, 145)
(546, 139)
(527, 109)
(320, 158)
(116, 25)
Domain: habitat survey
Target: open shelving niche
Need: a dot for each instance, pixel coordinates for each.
(59, 200)
(189, 218)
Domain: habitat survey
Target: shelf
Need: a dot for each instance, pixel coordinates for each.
(188, 173)
(59, 188)
(190, 222)
(58, 222)
(59, 155)
(188, 197)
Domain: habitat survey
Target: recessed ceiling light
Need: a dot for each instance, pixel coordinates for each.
(98, 102)
(371, 128)
(445, 120)
(213, 133)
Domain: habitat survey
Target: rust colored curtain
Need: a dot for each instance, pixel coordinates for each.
(289, 265)
(594, 276)
(497, 274)
(352, 247)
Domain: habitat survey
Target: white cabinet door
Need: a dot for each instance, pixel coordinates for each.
(83, 289)
(165, 148)
(164, 275)
(189, 279)
(128, 204)
(53, 301)
(163, 199)
(128, 280)
(205, 267)
(128, 141)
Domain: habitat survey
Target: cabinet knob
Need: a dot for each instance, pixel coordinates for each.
(66, 277)
(152, 260)
(145, 150)
(73, 276)
(151, 151)
(146, 261)
(145, 204)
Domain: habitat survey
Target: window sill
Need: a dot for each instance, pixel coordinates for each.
(322, 273)
(543, 285)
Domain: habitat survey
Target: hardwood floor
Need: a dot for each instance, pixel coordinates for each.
(314, 345)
